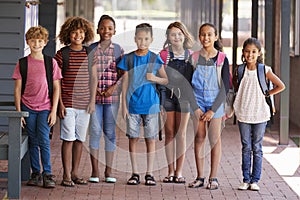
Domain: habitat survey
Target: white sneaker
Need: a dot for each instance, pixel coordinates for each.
(244, 186)
(254, 187)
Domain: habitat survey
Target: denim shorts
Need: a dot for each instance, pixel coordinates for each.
(149, 122)
(75, 124)
(219, 113)
(172, 104)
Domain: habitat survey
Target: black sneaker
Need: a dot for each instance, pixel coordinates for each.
(35, 179)
(48, 181)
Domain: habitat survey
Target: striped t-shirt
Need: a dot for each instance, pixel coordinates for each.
(75, 88)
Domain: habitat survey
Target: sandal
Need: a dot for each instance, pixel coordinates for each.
(213, 184)
(134, 179)
(198, 182)
(149, 180)
(79, 181)
(67, 183)
(179, 180)
(169, 179)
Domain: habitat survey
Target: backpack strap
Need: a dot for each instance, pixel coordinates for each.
(65, 58)
(23, 62)
(220, 62)
(49, 74)
(240, 72)
(117, 52)
(195, 58)
(164, 55)
(130, 60)
(94, 45)
(261, 75)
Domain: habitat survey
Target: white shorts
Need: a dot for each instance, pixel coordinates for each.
(75, 125)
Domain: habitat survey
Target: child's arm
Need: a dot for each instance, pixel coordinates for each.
(276, 81)
(55, 98)
(124, 92)
(17, 92)
(93, 88)
(162, 79)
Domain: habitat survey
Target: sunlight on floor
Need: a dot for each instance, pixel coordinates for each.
(286, 164)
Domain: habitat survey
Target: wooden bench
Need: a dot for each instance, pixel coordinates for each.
(14, 149)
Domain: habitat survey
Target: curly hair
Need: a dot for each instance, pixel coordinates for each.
(37, 32)
(74, 23)
(188, 38)
(217, 44)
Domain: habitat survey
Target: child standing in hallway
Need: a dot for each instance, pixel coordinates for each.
(179, 97)
(40, 74)
(210, 81)
(252, 111)
(106, 57)
(77, 100)
(140, 101)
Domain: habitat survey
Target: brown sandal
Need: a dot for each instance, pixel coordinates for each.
(79, 181)
(67, 183)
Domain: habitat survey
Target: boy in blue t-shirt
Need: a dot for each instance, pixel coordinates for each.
(140, 103)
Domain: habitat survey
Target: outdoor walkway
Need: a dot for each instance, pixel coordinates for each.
(280, 175)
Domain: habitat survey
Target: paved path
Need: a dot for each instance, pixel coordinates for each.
(280, 174)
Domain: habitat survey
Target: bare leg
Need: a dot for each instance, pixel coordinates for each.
(150, 144)
(66, 155)
(199, 142)
(182, 120)
(170, 142)
(132, 150)
(76, 150)
(94, 155)
(109, 156)
(214, 135)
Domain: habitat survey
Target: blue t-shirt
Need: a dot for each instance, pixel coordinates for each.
(141, 96)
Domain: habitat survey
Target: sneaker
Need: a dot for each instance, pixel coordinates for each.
(254, 187)
(48, 181)
(244, 186)
(35, 179)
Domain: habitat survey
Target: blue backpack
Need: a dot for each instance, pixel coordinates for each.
(265, 84)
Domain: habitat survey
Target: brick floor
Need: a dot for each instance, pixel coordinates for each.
(273, 184)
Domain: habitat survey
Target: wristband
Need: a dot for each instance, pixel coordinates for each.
(267, 93)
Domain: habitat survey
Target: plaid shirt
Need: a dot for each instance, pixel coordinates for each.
(107, 74)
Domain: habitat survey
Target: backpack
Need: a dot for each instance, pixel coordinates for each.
(23, 62)
(230, 96)
(265, 84)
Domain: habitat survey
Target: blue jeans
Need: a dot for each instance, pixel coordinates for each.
(104, 119)
(252, 138)
(39, 142)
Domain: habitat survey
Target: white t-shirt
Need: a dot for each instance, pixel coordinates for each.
(250, 105)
